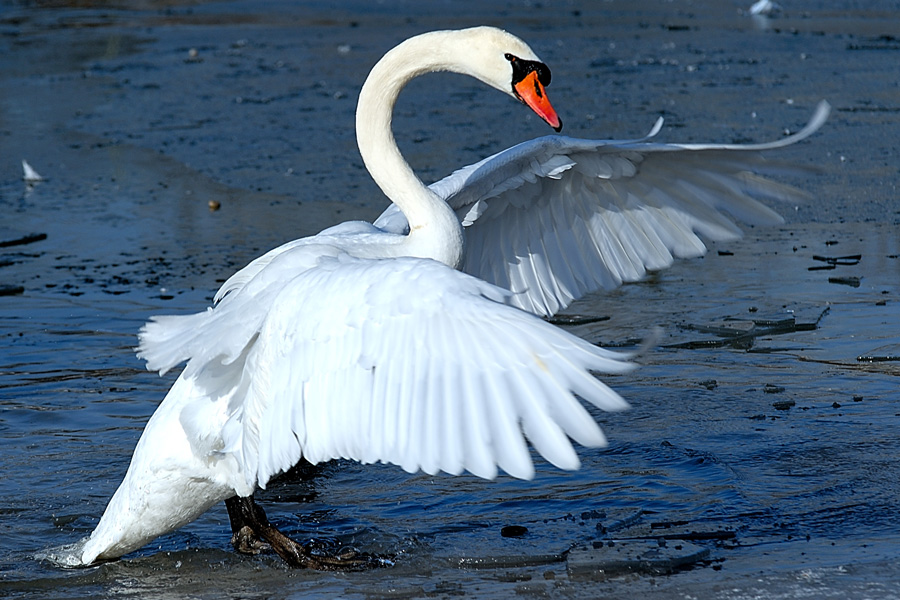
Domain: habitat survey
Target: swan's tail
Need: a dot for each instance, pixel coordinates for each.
(141, 511)
(168, 484)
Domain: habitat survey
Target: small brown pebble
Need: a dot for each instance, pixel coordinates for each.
(214, 205)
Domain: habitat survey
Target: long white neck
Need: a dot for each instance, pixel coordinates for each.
(435, 230)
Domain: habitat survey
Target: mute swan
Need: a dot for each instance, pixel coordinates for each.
(365, 341)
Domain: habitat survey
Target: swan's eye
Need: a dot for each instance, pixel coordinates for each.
(522, 68)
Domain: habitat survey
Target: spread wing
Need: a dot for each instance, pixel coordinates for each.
(404, 361)
(555, 218)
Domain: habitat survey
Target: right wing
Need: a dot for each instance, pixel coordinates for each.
(555, 218)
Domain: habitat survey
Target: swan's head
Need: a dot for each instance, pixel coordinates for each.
(506, 63)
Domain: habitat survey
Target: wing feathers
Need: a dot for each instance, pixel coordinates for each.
(555, 218)
(479, 458)
(409, 362)
(505, 435)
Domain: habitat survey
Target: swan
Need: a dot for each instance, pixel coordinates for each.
(418, 340)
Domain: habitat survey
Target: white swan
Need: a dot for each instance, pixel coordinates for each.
(364, 342)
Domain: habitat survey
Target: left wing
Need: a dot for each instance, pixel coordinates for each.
(409, 362)
(404, 361)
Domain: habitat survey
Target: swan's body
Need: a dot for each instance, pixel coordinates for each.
(365, 342)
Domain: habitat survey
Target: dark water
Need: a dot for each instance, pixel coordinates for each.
(757, 432)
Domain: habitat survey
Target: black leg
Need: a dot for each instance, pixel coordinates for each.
(243, 536)
(253, 533)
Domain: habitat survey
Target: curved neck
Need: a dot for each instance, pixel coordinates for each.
(435, 230)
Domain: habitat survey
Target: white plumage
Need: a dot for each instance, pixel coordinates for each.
(554, 218)
(365, 342)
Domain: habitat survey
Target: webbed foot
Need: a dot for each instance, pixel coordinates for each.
(253, 533)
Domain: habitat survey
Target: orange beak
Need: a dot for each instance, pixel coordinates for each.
(531, 92)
